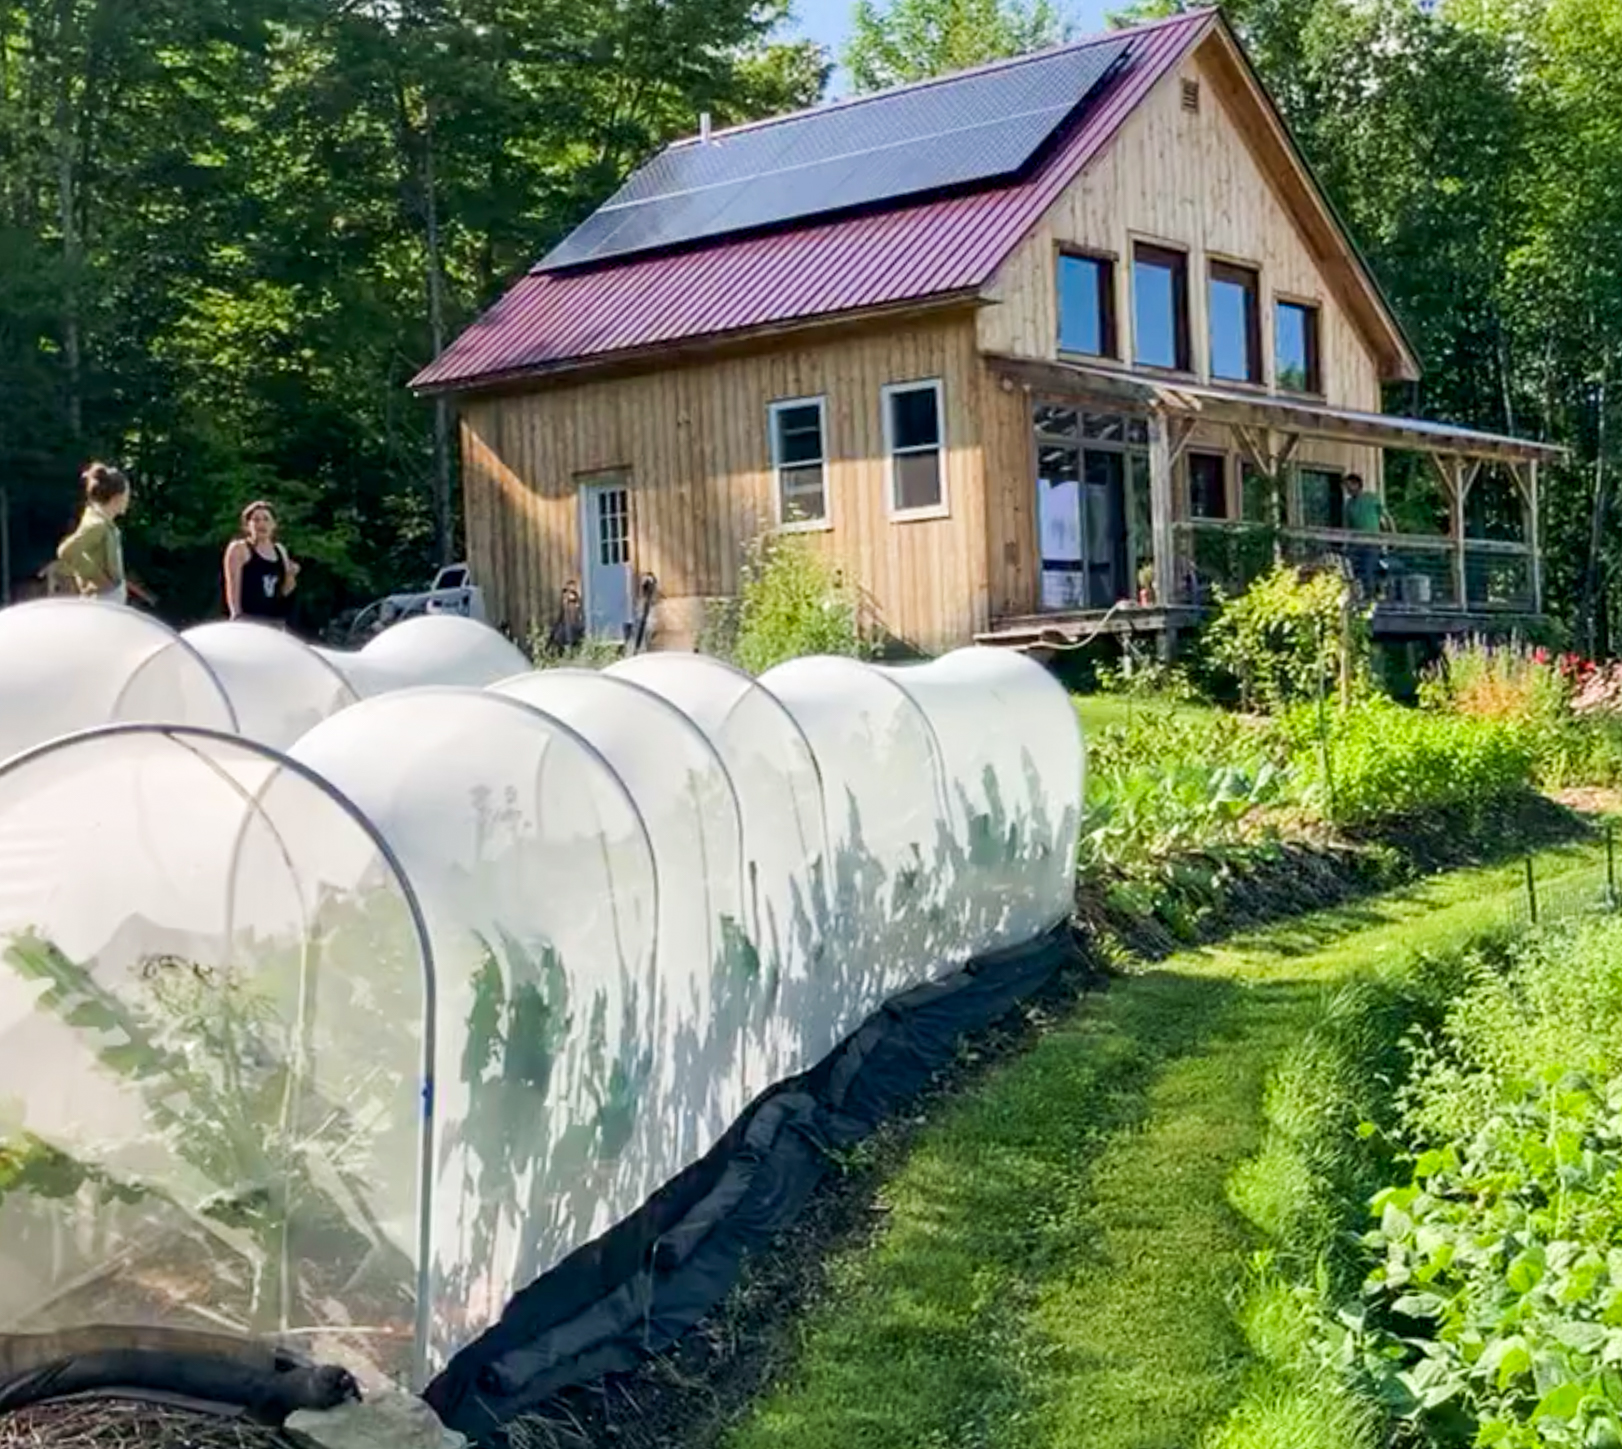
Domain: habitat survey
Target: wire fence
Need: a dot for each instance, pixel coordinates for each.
(1556, 891)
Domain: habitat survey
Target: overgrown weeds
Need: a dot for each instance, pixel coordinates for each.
(792, 601)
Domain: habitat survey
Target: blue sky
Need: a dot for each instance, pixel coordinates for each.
(828, 22)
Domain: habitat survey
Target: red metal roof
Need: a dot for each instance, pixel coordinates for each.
(912, 253)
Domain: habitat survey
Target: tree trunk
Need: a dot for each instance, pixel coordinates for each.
(444, 532)
(67, 201)
(1596, 531)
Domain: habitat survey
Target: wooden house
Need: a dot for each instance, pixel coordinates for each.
(1057, 345)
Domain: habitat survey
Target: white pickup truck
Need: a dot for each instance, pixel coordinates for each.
(452, 592)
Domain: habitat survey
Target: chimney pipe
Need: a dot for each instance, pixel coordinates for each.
(704, 127)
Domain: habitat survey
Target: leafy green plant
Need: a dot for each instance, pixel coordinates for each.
(1493, 1305)
(1500, 1273)
(792, 602)
(1380, 759)
(1173, 801)
(1292, 636)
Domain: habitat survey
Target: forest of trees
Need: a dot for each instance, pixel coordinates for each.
(230, 230)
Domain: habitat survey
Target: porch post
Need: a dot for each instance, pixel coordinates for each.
(1534, 563)
(1461, 571)
(1160, 509)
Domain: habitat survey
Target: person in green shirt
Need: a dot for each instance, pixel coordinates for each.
(1364, 513)
(92, 556)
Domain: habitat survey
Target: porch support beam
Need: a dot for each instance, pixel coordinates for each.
(1161, 456)
(1534, 539)
(1457, 486)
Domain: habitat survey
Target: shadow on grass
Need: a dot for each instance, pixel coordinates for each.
(1058, 1254)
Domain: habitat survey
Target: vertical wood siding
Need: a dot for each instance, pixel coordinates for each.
(693, 442)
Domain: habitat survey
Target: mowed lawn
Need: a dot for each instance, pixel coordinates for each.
(1059, 1264)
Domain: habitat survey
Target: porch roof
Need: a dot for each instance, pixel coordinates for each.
(1245, 408)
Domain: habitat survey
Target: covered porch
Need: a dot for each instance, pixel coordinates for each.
(1185, 492)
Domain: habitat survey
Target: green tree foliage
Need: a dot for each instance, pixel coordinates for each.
(908, 40)
(231, 230)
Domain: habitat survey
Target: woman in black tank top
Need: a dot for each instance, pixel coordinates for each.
(259, 575)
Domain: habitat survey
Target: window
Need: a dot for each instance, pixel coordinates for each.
(1086, 305)
(1208, 485)
(913, 434)
(1323, 501)
(1160, 307)
(800, 461)
(1236, 334)
(1295, 347)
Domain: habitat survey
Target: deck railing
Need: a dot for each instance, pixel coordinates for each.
(1419, 573)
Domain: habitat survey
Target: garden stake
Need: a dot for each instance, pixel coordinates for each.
(1531, 890)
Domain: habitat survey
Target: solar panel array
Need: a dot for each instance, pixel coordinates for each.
(975, 128)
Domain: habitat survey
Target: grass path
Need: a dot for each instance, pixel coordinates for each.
(1058, 1262)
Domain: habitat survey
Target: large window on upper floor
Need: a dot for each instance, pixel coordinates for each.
(915, 440)
(1086, 305)
(1235, 317)
(1295, 348)
(1160, 307)
(799, 462)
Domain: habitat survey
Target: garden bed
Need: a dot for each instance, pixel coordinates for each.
(689, 1395)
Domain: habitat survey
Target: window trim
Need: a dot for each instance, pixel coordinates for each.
(1315, 345)
(1182, 305)
(806, 525)
(1109, 299)
(1215, 268)
(943, 509)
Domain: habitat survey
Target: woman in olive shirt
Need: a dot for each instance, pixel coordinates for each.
(92, 556)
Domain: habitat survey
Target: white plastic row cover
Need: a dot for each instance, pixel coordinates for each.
(354, 1040)
(68, 665)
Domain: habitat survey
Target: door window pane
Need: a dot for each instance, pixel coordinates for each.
(799, 461)
(1236, 353)
(1160, 307)
(1087, 305)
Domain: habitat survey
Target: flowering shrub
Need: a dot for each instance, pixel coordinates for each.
(1596, 689)
(1568, 709)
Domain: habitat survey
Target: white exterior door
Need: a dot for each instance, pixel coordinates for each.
(605, 548)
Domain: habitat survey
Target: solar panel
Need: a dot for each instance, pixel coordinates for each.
(967, 129)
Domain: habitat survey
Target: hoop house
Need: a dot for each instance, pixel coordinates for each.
(278, 685)
(430, 649)
(779, 794)
(76, 664)
(537, 882)
(1015, 762)
(708, 962)
(889, 824)
(213, 1006)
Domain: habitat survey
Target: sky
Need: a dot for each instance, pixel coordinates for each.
(828, 23)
